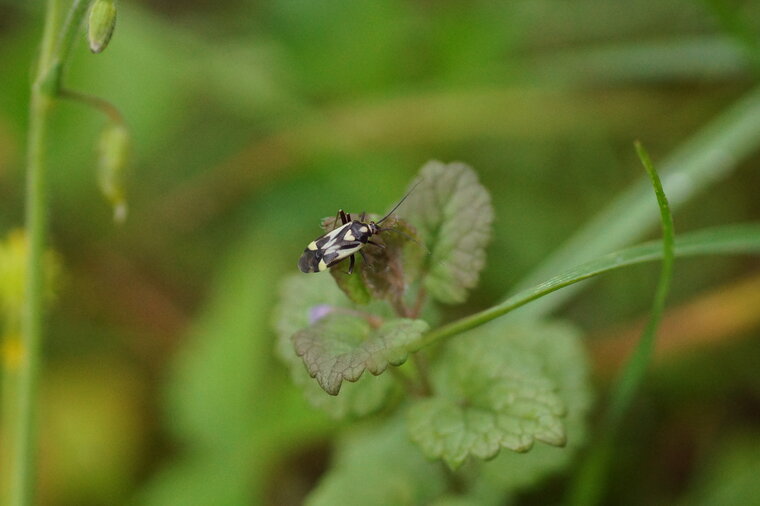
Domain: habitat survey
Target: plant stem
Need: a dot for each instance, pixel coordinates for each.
(69, 31)
(21, 420)
(741, 239)
(101, 104)
(21, 378)
(590, 482)
(32, 316)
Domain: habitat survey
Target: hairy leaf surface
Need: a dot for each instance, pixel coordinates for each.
(341, 346)
(566, 363)
(453, 212)
(496, 387)
(305, 300)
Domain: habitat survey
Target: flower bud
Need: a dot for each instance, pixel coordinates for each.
(113, 157)
(101, 24)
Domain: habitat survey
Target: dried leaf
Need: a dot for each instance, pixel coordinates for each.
(389, 268)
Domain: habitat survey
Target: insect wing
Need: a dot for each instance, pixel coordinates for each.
(329, 249)
(342, 245)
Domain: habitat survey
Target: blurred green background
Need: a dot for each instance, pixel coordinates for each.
(251, 120)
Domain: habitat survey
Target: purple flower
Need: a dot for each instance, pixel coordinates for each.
(318, 312)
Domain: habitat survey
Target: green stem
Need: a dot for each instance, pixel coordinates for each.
(70, 30)
(590, 482)
(20, 421)
(633, 373)
(101, 104)
(742, 239)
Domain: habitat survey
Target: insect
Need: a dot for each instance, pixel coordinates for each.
(343, 242)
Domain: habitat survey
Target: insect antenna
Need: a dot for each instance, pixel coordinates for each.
(400, 202)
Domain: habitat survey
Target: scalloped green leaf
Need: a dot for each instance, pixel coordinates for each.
(496, 387)
(377, 465)
(565, 361)
(303, 300)
(342, 346)
(453, 212)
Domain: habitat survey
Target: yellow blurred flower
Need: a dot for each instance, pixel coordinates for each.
(13, 252)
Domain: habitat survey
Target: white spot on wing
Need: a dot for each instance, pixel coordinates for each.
(348, 252)
(312, 246)
(322, 265)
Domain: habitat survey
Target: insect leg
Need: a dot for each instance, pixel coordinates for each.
(351, 262)
(381, 246)
(343, 217)
(366, 263)
(337, 217)
(363, 216)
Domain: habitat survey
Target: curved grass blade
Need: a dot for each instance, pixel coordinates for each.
(731, 239)
(590, 480)
(709, 155)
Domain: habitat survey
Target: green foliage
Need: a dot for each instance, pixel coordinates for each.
(303, 299)
(736, 239)
(499, 386)
(496, 387)
(693, 166)
(453, 213)
(210, 388)
(589, 485)
(253, 116)
(377, 465)
(230, 434)
(342, 346)
(558, 346)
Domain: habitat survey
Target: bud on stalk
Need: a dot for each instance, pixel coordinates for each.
(101, 24)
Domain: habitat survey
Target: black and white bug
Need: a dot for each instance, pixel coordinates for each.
(343, 242)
